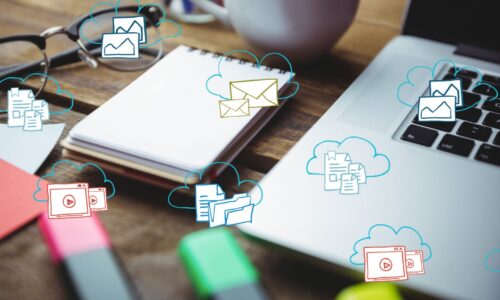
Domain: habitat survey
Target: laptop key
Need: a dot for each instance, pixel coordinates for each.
(493, 106)
(491, 79)
(486, 89)
(443, 126)
(456, 145)
(492, 120)
(466, 81)
(470, 98)
(419, 135)
(471, 114)
(496, 141)
(474, 131)
(489, 154)
(463, 72)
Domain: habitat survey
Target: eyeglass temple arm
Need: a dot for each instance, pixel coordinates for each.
(64, 58)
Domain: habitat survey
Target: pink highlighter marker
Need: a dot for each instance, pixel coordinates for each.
(81, 248)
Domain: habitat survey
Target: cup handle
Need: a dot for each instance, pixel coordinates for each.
(219, 12)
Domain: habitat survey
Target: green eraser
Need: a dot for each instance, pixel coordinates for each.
(215, 262)
(369, 291)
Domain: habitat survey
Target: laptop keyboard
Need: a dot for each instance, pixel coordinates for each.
(476, 132)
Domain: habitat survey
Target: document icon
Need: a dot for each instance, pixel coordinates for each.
(336, 164)
(120, 45)
(32, 120)
(234, 108)
(451, 88)
(42, 107)
(259, 92)
(440, 108)
(232, 209)
(358, 170)
(18, 102)
(349, 184)
(205, 194)
(131, 25)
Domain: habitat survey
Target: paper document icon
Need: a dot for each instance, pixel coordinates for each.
(131, 25)
(358, 170)
(218, 209)
(42, 107)
(120, 45)
(18, 102)
(234, 108)
(32, 120)
(436, 109)
(259, 92)
(451, 88)
(336, 164)
(204, 194)
(349, 184)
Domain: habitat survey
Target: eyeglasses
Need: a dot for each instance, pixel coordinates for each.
(25, 54)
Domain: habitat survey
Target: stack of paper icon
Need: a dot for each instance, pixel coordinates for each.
(248, 94)
(342, 174)
(75, 200)
(26, 111)
(445, 96)
(213, 207)
(392, 263)
(123, 42)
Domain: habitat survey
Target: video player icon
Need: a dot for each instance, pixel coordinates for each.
(69, 201)
(385, 264)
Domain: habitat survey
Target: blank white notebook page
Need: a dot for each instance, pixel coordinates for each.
(168, 116)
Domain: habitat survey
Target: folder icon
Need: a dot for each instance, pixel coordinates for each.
(220, 211)
(234, 108)
(259, 92)
(239, 215)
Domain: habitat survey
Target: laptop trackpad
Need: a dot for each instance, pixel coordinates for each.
(376, 106)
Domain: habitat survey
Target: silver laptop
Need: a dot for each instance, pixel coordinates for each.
(432, 189)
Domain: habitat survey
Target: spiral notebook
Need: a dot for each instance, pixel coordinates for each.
(166, 124)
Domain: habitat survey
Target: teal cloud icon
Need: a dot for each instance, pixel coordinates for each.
(94, 21)
(492, 261)
(110, 186)
(256, 200)
(382, 235)
(418, 76)
(59, 91)
(225, 76)
(360, 150)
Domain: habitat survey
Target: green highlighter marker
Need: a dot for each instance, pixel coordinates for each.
(219, 269)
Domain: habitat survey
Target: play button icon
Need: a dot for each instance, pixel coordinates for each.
(385, 264)
(69, 201)
(410, 263)
(93, 200)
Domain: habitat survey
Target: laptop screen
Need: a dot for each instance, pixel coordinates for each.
(450, 21)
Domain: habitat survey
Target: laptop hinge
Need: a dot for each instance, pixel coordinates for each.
(478, 52)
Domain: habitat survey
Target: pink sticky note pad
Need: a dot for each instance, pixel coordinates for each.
(17, 206)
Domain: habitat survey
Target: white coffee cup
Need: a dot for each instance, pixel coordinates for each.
(300, 29)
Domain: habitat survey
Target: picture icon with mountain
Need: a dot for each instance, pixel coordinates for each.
(123, 42)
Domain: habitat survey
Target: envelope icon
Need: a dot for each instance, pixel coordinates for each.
(234, 108)
(259, 92)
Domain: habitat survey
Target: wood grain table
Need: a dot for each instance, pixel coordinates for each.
(143, 228)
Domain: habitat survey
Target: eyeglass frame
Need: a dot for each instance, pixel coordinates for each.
(84, 52)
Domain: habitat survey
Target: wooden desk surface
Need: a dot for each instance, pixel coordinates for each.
(143, 228)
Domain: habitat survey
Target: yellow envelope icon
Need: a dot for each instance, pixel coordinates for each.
(234, 108)
(259, 92)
